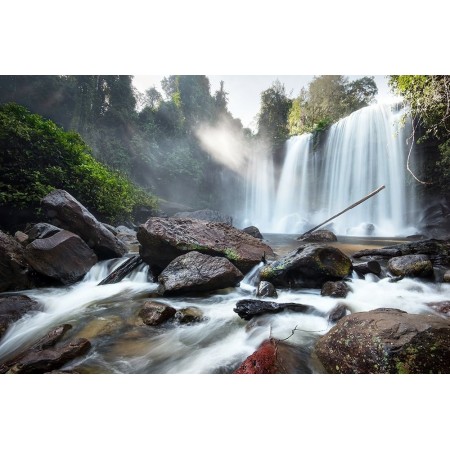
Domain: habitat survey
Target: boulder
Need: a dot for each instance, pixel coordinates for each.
(253, 231)
(446, 278)
(386, 341)
(41, 230)
(196, 272)
(63, 256)
(163, 239)
(247, 309)
(367, 267)
(337, 289)
(66, 212)
(21, 238)
(411, 266)
(156, 313)
(12, 308)
(15, 272)
(275, 357)
(337, 313)
(266, 289)
(308, 266)
(189, 315)
(208, 215)
(318, 236)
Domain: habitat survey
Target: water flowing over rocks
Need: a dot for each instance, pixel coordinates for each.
(65, 211)
(308, 266)
(386, 340)
(164, 239)
(189, 315)
(156, 313)
(411, 266)
(247, 309)
(208, 215)
(196, 272)
(15, 272)
(63, 256)
(12, 308)
(337, 313)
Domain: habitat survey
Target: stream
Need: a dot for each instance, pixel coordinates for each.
(107, 315)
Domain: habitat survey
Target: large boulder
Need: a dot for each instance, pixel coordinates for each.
(196, 272)
(63, 256)
(66, 212)
(411, 266)
(163, 239)
(15, 272)
(208, 215)
(386, 341)
(12, 308)
(308, 266)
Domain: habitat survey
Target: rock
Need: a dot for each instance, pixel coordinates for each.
(156, 313)
(266, 289)
(247, 309)
(67, 212)
(337, 289)
(440, 307)
(15, 272)
(367, 267)
(318, 236)
(110, 228)
(253, 231)
(100, 326)
(446, 278)
(63, 256)
(43, 361)
(12, 308)
(41, 231)
(275, 357)
(337, 313)
(164, 239)
(196, 272)
(189, 315)
(21, 238)
(208, 215)
(386, 341)
(411, 266)
(437, 251)
(308, 266)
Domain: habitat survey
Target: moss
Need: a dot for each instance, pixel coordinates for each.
(402, 367)
(231, 254)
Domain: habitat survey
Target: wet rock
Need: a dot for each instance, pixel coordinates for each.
(266, 289)
(43, 361)
(164, 239)
(66, 212)
(208, 215)
(189, 315)
(275, 357)
(446, 278)
(308, 266)
(337, 313)
(100, 326)
(196, 272)
(12, 308)
(156, 313)
(247, 309)
(367, 267)
(15, 272)
(411, 266)
(63, 256)
(337, 289)
(253, 231)
(41, 230)
(386, 341)
(318, 236)
(442, 308)
(128, 237)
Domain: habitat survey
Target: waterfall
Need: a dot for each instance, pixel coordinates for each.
(355, 156)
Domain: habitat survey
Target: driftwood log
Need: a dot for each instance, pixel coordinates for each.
(122, 271)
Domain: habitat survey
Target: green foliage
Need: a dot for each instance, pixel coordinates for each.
(328, 99)
(37, 156)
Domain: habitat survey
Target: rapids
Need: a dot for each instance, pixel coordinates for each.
(108, 316)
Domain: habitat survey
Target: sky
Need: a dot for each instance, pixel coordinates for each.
(244, 90)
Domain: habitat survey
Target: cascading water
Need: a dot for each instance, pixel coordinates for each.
(360, 153)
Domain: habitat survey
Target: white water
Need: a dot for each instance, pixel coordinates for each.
(216, 345)
(362, 152)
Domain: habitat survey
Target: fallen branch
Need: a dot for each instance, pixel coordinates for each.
(122, 271)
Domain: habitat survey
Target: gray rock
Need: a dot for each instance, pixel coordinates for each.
(336, 289)
(266, 289)
(189, 315)
(196, 272)
(41, 231)
(155, 313)
(318, 236)
(253, 231)
(12, 308)
(411, 266)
